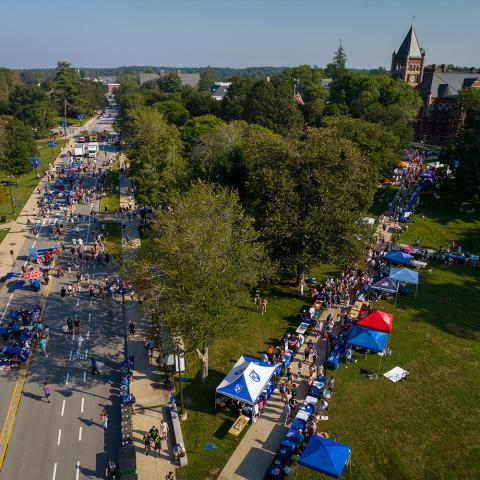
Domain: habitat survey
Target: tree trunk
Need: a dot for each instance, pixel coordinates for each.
(300, 276)
(203, 356)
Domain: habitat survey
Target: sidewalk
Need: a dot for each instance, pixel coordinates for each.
(255, 453)
(151, 398)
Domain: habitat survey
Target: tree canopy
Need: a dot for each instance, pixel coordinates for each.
(203, 258)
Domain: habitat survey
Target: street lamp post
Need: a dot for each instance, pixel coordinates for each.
(182, 413)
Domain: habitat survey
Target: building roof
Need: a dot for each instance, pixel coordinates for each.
(410, 47)
(107, 79)
(220, 92)
(445, 85)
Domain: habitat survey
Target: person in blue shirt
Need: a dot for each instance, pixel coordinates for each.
(93, 364)
(299, 438)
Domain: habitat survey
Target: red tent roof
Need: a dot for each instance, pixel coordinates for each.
(377, 320)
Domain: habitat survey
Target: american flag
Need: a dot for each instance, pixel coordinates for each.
(298, 98)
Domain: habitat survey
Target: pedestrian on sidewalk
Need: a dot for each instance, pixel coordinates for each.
(93, 365)
(286, 412)
(314, 355)
(164, 430)
(43, 346)
(63, 293)
(157, 445)
(104, 419)
(306, 354)
(170, 476)
(299, 369)
(147, 441)
(46, 391)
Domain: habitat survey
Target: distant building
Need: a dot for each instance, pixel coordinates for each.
(220, 90)
(107, 79)
(439, 118)
(190, 79)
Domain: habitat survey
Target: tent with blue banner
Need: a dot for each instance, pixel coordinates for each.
(405, 275)
(398, 257)
(325, 456)
(246, 380)
(385, 284)
(367, 338)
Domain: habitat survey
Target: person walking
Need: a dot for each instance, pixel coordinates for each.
(299, 369)
(63, 293)
(286, 412)
(104, 419)
(46, 391)
(147, 441)
(164, 430)
(43, 346)
(93, 365)
(157, 446)
(170, 476)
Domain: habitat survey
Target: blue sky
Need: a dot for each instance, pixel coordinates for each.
(236, 33)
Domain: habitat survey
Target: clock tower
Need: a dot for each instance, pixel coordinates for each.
(407, 62)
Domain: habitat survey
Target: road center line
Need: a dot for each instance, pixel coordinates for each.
(84, 376)
(63, 408)
(83, 403)
(71, 353)
(78, 471)
(89, 317)
(59, 436)
(54, 471)
(88, 334)
(80, 434)
(66, 380)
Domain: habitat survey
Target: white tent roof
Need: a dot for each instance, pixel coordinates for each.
(246, 380)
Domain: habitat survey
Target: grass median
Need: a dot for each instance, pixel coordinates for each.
(113, 239)
(111, 200)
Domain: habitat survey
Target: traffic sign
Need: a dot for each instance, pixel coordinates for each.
(51, 143)
(64, 124)
(80, 116)
(34, 162)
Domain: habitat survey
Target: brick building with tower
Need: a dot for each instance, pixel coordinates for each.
(439, 118)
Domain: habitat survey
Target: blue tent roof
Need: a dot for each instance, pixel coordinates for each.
(385, 284)
(325, 456)
(404, 275)
(246, 380)
(367, 338)
(399, 257)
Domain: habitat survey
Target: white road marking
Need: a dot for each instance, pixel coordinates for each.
(71, 353)
(88, 334)
(86, 352)
(78, 471)
(78, 302)
(54, 471)
(80, 434)
(84, 377)
(59, 436)
(89, 317)
(63, 408)
(83, 403)
(66, 380)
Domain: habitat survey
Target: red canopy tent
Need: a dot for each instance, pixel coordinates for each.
(377, 320)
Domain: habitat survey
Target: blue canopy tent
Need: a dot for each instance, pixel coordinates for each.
(398, 257)
(325, 456)
(405, 275)
(246, 380)
(385, 284)
(369, 339)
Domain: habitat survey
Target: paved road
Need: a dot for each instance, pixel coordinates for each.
(65, 439)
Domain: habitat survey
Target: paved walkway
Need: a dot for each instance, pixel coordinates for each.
(255, 453)
(151, 398)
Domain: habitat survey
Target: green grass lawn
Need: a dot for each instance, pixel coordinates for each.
(113, 239)
(27, 182)
(112, 198)
(3, 233)
(439, 224)
(424, 428)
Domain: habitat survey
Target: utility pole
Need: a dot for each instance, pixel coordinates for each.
(65, 119)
